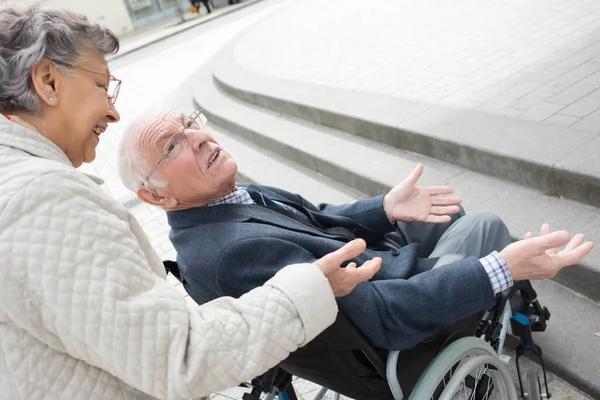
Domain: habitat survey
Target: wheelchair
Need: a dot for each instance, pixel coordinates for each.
(464, 360)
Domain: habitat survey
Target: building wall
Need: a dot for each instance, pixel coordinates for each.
(110, 13)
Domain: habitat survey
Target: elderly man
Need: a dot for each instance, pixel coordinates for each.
(216, 225)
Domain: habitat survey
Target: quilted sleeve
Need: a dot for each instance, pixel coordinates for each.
(76, 277)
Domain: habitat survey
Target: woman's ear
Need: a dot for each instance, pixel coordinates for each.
(45, 77)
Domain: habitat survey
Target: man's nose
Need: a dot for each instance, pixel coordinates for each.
(198, 139)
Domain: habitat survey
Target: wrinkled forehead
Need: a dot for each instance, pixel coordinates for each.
(155, 132)
(94, 60)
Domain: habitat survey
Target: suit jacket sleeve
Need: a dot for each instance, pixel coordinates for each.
(393, 313)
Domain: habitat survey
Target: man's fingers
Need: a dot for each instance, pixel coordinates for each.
(528, 235)
(436, 190)
(348, 251)
(416, 173)
(549, 241)
(545, 229)
(575, 242)
(352, 265)
(444, 210)
(573, 256)
(445, 200)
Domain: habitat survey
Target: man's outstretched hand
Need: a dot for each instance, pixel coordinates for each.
(408, 202)
(539, 257)
(344, 280)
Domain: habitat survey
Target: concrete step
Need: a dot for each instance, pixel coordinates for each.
(372, 168)
(553, 159)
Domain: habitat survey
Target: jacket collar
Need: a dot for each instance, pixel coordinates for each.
(20, 138)
(224, 213)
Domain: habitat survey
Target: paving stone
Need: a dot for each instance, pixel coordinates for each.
(591, 122)
(564, 120)
(582, 108)
(541, 112)
(578, 90)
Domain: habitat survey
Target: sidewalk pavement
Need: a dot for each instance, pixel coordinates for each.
(537, 60)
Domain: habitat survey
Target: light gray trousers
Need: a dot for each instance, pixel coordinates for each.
(474, 234)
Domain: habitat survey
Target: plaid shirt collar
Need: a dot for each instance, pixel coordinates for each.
(239, 196)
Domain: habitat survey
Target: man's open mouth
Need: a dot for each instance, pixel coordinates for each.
(213, 158)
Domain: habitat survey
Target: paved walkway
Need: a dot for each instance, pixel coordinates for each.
(538, 60)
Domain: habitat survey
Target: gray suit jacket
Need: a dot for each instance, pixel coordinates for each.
(229, 249)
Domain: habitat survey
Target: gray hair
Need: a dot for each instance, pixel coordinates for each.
(134, 164)
(29, 34)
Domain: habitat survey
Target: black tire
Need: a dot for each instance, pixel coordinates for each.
(534, 386)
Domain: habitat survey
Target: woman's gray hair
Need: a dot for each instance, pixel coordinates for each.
(29, 34)
(134, 164)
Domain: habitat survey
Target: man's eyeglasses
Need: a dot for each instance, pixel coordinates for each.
(114, 85)
(179, 142)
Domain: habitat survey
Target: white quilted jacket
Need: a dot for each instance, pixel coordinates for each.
(86, 312)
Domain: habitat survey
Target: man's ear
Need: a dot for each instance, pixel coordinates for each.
(151, 197)
(45, 78)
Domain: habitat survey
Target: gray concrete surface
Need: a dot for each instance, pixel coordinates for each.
(537, 60)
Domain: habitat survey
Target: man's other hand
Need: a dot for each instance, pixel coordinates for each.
(344, 280)
(408, 202)
(540, 258)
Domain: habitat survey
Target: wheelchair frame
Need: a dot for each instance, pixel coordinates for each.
(485, 348)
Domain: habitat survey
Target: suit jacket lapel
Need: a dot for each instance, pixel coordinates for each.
(242, 213)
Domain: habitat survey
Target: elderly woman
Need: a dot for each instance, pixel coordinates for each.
(85, 310)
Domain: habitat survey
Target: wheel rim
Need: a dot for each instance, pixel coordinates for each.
(479, 378)
(444, 367)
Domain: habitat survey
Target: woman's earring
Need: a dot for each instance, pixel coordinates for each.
(51, 99)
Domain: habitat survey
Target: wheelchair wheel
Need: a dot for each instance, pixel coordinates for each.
(467, 369)
(534, 385)
(482, 377)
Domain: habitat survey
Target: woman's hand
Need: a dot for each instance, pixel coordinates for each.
(344, 280)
